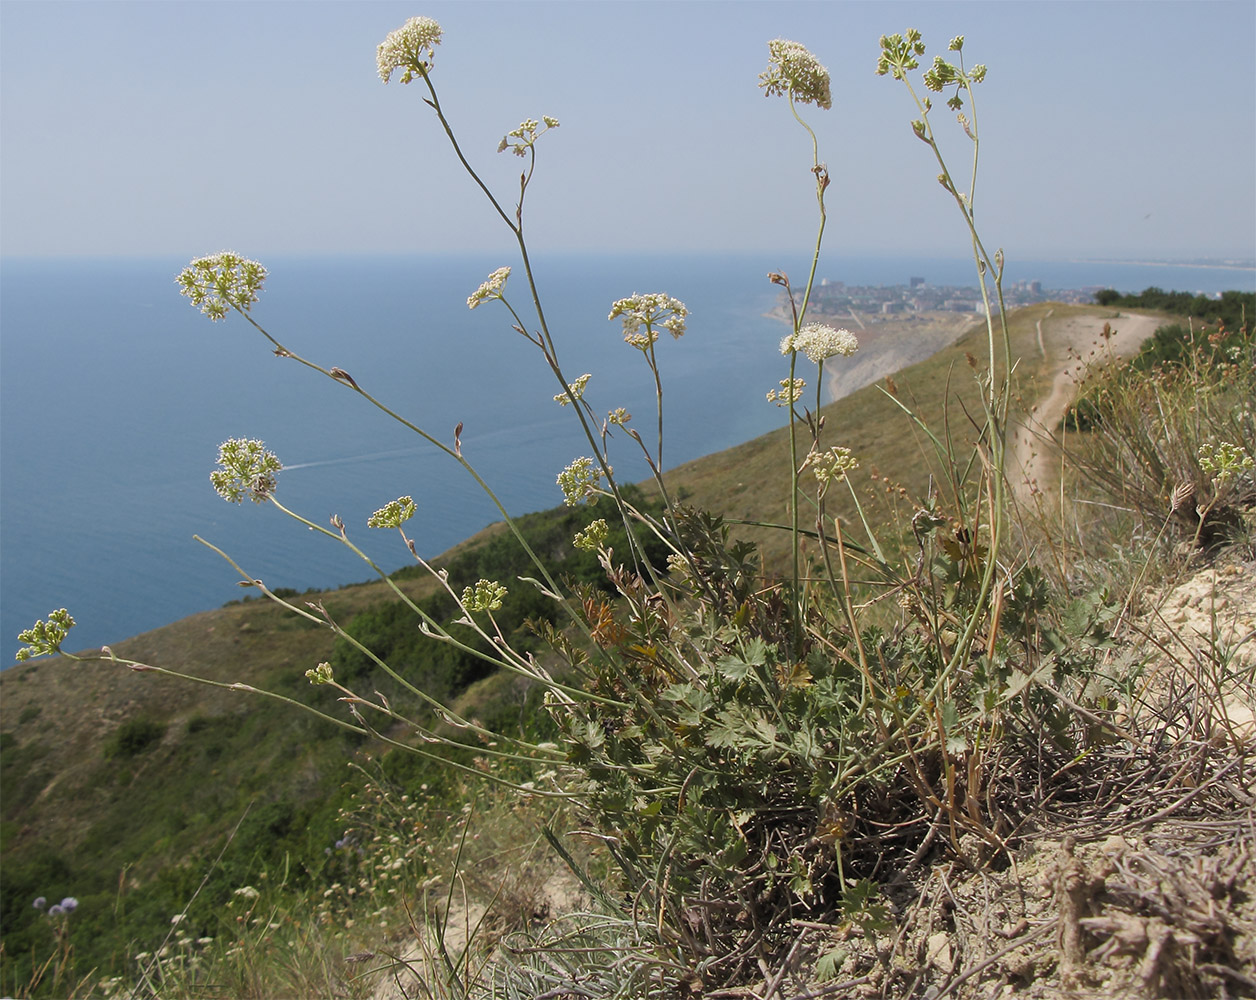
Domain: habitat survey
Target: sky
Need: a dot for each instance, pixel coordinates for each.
(1109, 129)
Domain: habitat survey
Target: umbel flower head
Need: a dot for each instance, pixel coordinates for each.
(592, 537)
(486, 595)
(793, 71)
(523, 138)
(321, 674)
(411, 48)
(576, 388)
(655, 309)
(247, 469)
(490, 288)
(831, 466)
(393, 514)
(789, 392)
(221, 281)
(44, 639)
(579, 481)
(818, 342)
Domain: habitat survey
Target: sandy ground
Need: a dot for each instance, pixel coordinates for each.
(1070, 344)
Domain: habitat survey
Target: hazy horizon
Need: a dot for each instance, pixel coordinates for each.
(1110, 130)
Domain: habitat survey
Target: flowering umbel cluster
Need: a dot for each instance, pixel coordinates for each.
(490, 288)
(831, 466)
(579, 482)
(1224, 461)
(794, 72)
(486, 595)
(789, 392)
(320, 674)
(45, 638)
(818, 342)
(653, 310)
(411, 48)
(576, 388)
(247, 469)
(592, 538)
(220, 282)
(393, 514)
(523, 138)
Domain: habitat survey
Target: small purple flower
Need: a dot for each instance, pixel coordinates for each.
(56, 910)
(40, 902)
(69, 904)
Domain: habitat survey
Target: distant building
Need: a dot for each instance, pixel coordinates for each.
(1035, 287)
(916, 282)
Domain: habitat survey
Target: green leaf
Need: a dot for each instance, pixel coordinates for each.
(955, 741)
(829, 964)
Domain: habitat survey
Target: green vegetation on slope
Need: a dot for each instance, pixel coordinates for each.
(120, 789)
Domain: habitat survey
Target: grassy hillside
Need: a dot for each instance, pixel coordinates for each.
(127, 789)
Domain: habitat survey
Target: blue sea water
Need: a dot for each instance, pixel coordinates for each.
(116, 394)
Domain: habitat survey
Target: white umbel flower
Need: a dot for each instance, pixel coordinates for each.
(794, 71)
(410, 48)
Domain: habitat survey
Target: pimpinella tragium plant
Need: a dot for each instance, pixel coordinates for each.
(747, 750)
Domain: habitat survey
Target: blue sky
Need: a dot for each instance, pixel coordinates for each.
(1109, 129)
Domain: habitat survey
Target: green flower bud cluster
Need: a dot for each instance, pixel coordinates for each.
(247, 469)
(320, 674)
(592, 538)
(45, 638)
(486, 595)
(898, 54)
(1224, 461)
(393, 514)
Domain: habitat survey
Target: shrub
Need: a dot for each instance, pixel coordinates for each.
(134, 737)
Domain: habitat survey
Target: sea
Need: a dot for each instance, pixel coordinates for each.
(116, 394)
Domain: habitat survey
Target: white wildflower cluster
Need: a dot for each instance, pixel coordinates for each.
(592, 538)
(220, 282)
(486, 595)
(411, 48)
(44, 638)
(579, 482)
(789, 392)
(832, 466)
(577, 390)
(794, 72)
(320, 674)
(521, 139)
(618, 416)
(490, 289)
(818, 342)
(1224, 461)
(653, 310)
(247, 469)
(393, 514)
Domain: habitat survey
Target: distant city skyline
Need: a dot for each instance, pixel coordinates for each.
(1109, 130)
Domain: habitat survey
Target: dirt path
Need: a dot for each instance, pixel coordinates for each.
(1068, 343)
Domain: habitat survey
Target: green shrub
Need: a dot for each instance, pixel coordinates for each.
(134, 737)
